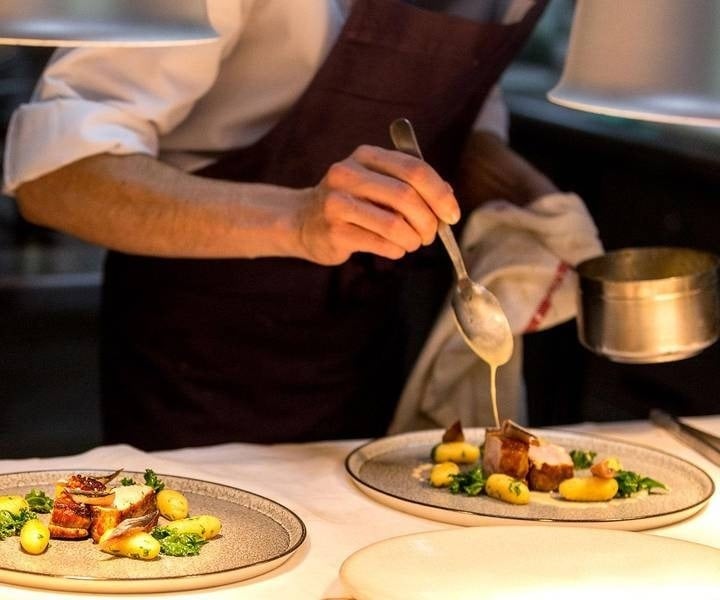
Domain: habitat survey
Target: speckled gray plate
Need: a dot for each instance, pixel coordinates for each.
(390, 470)
(257, 536)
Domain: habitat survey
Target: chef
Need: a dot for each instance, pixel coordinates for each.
(271, 263)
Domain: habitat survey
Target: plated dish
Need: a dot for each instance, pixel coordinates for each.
(539, 562)
(390, 470)
(258, 535)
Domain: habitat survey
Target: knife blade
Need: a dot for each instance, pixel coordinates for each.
(702, 442)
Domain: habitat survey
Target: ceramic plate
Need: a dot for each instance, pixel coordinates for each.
(257, 536)
(539, 562)
(393, 470)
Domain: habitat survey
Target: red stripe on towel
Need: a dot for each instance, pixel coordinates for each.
(545, 303)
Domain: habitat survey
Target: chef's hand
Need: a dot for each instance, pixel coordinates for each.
(378, 201)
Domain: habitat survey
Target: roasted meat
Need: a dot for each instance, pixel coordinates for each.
(130, 501)
(549, 465)
(69, 519)
(86, 506)
(505, 455)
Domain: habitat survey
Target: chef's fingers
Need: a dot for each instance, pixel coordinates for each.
(396, 202)
(425, 181)
(359, 239)
(335, 224)
(385, 224)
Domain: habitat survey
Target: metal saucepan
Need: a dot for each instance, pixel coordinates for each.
(648, 305)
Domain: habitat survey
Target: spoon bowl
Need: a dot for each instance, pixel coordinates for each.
(478, 314)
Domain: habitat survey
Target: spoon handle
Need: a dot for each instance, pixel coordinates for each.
(403, 136)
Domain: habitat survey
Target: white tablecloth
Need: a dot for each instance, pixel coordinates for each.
(310, 479)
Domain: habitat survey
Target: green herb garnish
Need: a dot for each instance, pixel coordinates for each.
(630, 483)
(470, 482)
(582, 459)
(178, 544)
(150, 477)
(152, 480)
(11, 524)
(39, 501)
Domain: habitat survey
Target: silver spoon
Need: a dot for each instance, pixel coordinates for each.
(478, 314)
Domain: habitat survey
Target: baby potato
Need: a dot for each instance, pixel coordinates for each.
(506, 488)
(588, 489)
(172, 504)
(205, 526)
(441, 474)
(140, 545)
(462, 453)
(13, 504)
(34, 536)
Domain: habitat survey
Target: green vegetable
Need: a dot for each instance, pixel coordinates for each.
(630, 483)
(178, 544)
(470, 482)
(151, 479)
(39, 501)
(11, 524)
(582, 459)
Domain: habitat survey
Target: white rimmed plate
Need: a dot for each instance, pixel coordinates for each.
(539, 562)
(393, 470)
(257, 535)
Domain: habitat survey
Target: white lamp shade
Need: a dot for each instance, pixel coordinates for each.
(656, 60)
(104, 22)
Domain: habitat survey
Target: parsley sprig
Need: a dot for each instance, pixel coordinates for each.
(470, 482)
(11, 523)
(150, 478)
(178, 544)
(630, 483)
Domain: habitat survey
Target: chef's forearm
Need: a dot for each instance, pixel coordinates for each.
(491, 170)
(138, 205)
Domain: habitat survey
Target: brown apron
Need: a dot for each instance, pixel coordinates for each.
(203, 351)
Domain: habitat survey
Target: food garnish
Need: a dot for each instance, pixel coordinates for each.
(630, 483)
(39, 501)
(12, 522)
(470, 482)
(151, 480)
(178, 544)
(582, 459)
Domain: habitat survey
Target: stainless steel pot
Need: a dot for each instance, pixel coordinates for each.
(648, 305)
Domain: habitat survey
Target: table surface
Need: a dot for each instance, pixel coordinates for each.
(310, 479)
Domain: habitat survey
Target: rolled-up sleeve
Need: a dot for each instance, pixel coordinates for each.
(109, 100)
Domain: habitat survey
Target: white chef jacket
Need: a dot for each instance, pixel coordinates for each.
(184, 104)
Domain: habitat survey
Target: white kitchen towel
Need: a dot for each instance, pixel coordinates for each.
(525, 256)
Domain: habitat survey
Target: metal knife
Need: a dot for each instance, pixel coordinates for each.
(702, 442)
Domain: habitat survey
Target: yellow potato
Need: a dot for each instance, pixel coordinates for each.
(13, 504)
(34, 536)
(507, 489)
(462, 453)
(588, 489)
(205, 526)
(172, 504)
(139, 545)
(441, 474)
